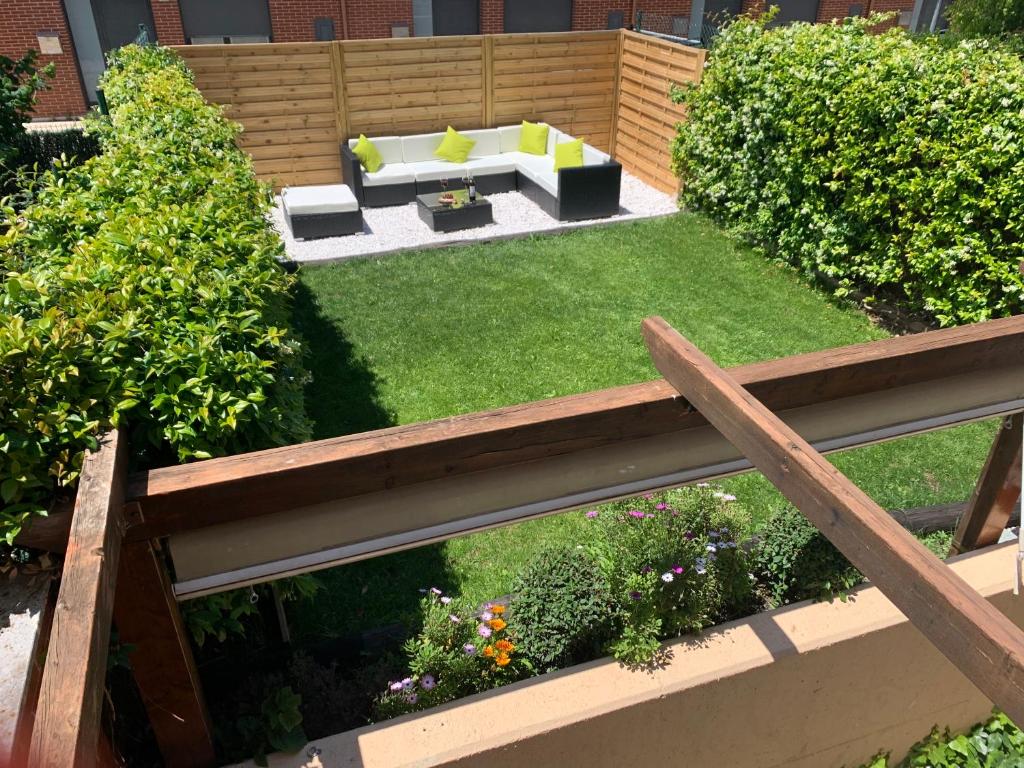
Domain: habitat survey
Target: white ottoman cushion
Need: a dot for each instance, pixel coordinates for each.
(326, 198)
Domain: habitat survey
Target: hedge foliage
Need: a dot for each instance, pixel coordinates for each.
(142, 286)
(20, 79)
(884, 162)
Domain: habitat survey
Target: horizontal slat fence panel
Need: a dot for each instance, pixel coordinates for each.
(283, 96)
(565, 79)
(298, 101)
(646, 120)
(413, 85)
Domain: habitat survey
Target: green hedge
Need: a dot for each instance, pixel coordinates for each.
(883, 162)
(143, 286)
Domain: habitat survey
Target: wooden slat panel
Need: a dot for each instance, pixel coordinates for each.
(996, 493)
(982, 642)
(67, 726)
(647, 118)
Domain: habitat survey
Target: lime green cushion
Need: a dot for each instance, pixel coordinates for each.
(454, 147)
(569, 154)
(367, 154)
(534, 138)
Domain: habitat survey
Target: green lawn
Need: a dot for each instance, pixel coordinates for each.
(435, 333)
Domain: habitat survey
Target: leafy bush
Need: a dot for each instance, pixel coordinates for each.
(41, 148)
(884, 162)
(142, 286)
(793, 561)
(19, 82)
(271, 722)
(986, 18)
(996, 742)
(673, 566)
(562, 608)
(455, 654)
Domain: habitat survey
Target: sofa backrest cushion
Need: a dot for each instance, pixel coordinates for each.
(420, 149)
(487, 141)
(555, 136)
(389, 147)
(508, 138)
(593, 156)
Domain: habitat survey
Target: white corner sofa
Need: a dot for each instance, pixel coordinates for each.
(496, 164)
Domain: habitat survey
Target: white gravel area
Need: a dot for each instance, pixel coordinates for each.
(399, 228)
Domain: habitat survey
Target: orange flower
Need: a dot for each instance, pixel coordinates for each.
(497, 610)
(489, 651)
(502, 659)
(504, 645)
(497, 624)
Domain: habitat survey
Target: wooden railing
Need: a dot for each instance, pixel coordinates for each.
(298, 101)
(917, 383)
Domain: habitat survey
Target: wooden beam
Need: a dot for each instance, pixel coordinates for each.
(191, 496)
(985, 645)
(995, 495)
(148, 618)
(67, 726)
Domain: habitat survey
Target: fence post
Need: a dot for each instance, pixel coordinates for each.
(338, 85)
(488, 80)
(617, 87)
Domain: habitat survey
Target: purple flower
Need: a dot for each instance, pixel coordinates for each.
(407, 683)
(649, 514)
(428, 682)
(661, 505)
(635, 595)
(676, 569)
(636, 513)
(455, 619)
(646, 569)
(483, 630)
(713, 534)
(412, 698)
(592, 514)
(648, 495)
(469, 649)
(486, 615)
(689, 535)
(435, 590)
(395, 687)
(446, 600)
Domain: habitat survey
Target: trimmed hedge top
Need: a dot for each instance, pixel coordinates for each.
(889, 163)
(143, 285)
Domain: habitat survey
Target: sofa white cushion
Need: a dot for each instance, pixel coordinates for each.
(554, 137)
(508, 138)
(593, 156)
(548, 180)
(390, 147)
(487, 142)
(432, 170)
(324, 198)
(488, 166)
(419, 149)
(532, 165)
(395, 173)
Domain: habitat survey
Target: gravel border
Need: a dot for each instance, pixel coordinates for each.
(399, 228)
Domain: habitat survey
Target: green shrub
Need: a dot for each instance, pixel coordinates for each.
(41, 148)
(883, 162)
(562, 608)
(143, 286)
(793, 561)
(19, 82)
(986, 18)
(457, 652)
(994, 743)
(673, 566)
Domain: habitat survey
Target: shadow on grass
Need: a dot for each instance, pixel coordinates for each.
(344, 398)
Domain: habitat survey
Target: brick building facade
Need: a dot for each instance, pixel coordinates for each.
(28, 24)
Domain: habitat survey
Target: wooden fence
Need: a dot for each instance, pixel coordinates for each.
(298, 101)
(646, 120)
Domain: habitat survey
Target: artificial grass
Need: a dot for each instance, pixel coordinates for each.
(430, 334)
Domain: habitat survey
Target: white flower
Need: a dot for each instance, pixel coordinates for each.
(667, 577)
(701, 565)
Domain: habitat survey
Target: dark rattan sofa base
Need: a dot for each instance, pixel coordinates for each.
(315, 225)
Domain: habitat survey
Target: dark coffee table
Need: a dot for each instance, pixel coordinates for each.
(451, 218)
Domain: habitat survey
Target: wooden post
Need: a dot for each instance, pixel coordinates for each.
(996, 493)
(338, 83)
(148, 618)
(487, 84)
(617, 87)
(983, 643)
(67, 726)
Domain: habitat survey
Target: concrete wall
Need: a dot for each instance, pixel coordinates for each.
(809, 686)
